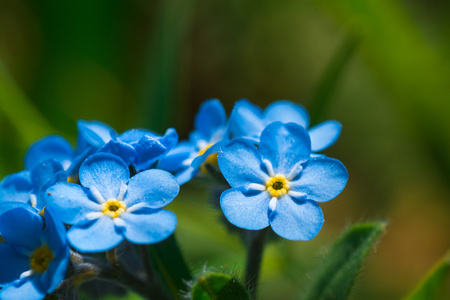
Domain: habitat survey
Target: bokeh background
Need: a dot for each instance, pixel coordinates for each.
(380, 67)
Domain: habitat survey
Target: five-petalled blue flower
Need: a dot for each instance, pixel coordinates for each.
(278, 183)
(109, 206)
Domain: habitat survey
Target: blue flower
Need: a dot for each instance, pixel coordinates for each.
(210, 133)
(33, 260)
(110, 206)
(248, 121)
(278, 183)
(27, 188)
(138, 147)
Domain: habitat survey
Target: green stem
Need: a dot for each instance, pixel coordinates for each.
(254, 258)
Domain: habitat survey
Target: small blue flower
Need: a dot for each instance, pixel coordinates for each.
(110, 206)
(210, 133)
(248, 121)
(33, 260)
(278, 183)
(27, 188)
(138, 147)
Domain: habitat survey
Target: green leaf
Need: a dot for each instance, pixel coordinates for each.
(218, 286)
(170, 264)
(345, 257)
(330, 78)
(432, 284)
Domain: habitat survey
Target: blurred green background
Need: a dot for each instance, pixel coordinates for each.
(380, 67)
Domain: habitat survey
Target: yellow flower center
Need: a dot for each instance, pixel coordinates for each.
(41, 258)
(113, 208)
(211, 159)
(277, 186)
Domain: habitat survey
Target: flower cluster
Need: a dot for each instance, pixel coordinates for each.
(114, 187)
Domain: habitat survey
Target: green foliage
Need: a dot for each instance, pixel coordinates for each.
(339, 269)
(218, 286)
(432, 284)
(17, 109)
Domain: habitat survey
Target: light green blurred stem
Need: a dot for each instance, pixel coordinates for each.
(161, 74)
(15, 106)
(323, 92)
(433, 282)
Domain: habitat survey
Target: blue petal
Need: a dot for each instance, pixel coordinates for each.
(29, 289)
(246, 120)
(45, 174)
(149, 228)
(132, 136)
(324, 135)
(170, 138)
(125, 151)
(70, 202)
(148, 151)
(186, 175)
(322, 179)
(199, 160)
(50, 147)
(285, 145)
(55, 232)
(173, 161)
(16, 187)
(93, 134)
(13, 263)
(240, 163)
(286, 112)
(22, 227)
(156, 188)
(105, 172)
(9, 205)
(96, 236)
(56, 270)
(210, 116)
(296, 220)
(248, 210)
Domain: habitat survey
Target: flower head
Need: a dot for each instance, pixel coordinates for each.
(278, 183)
(210, 133)
(248, 121)
(35, 257)
(109, 206)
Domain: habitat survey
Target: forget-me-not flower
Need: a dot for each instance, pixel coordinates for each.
(248, 121)
(109, 206)
(34, 258)
(210, 133)
(278, 183)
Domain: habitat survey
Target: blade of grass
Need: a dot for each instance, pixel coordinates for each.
(433, 282)
(323, 92)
